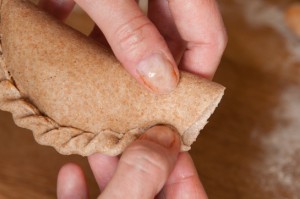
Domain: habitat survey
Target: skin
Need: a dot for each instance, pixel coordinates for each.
(192, 36)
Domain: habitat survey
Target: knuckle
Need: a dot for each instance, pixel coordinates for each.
(217, 42)
(220, 41)
(145, 160)
(131, 34)
(223, 39)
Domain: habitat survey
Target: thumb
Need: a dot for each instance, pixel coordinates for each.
(145, 165)
(136, 42)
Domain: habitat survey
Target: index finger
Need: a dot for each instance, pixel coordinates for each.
(184, 182)
(103, 168)
(200, 24)
(145, 165)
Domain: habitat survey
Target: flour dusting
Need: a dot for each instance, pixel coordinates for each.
(282, 146)
(260, 13)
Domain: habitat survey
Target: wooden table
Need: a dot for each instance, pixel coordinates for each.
(251, 147)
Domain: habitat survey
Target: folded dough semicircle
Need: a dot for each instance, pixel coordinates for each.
(75, 96)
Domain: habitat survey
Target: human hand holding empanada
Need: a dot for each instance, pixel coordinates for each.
(150, 167)
(190, 34)
(74, 95)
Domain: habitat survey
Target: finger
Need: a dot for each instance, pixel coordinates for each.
(183, 182)
(103, 168)
(200, 24)
(145, 165)
(58, 8)
(136, 42)
(159, 13)
(71, 183)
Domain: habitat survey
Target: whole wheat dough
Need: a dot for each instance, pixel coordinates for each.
(75, 96)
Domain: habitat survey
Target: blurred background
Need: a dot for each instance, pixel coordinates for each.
(251, 147)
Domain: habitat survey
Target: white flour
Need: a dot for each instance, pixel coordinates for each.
(260, 13)
(280, 165)
(281, 147)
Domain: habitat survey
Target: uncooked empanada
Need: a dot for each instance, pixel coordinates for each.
(75, 96)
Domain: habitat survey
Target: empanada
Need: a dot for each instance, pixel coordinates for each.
(75, 96)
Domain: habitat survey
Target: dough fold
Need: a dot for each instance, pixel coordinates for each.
(75, 96)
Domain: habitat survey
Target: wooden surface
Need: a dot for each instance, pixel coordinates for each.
(251, 147)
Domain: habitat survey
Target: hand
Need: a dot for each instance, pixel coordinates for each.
(145, 170)
(189, 33)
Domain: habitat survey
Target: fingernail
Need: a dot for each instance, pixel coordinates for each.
(158, 74)
(162, 135)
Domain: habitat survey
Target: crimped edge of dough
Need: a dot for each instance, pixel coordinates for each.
(70, 140)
